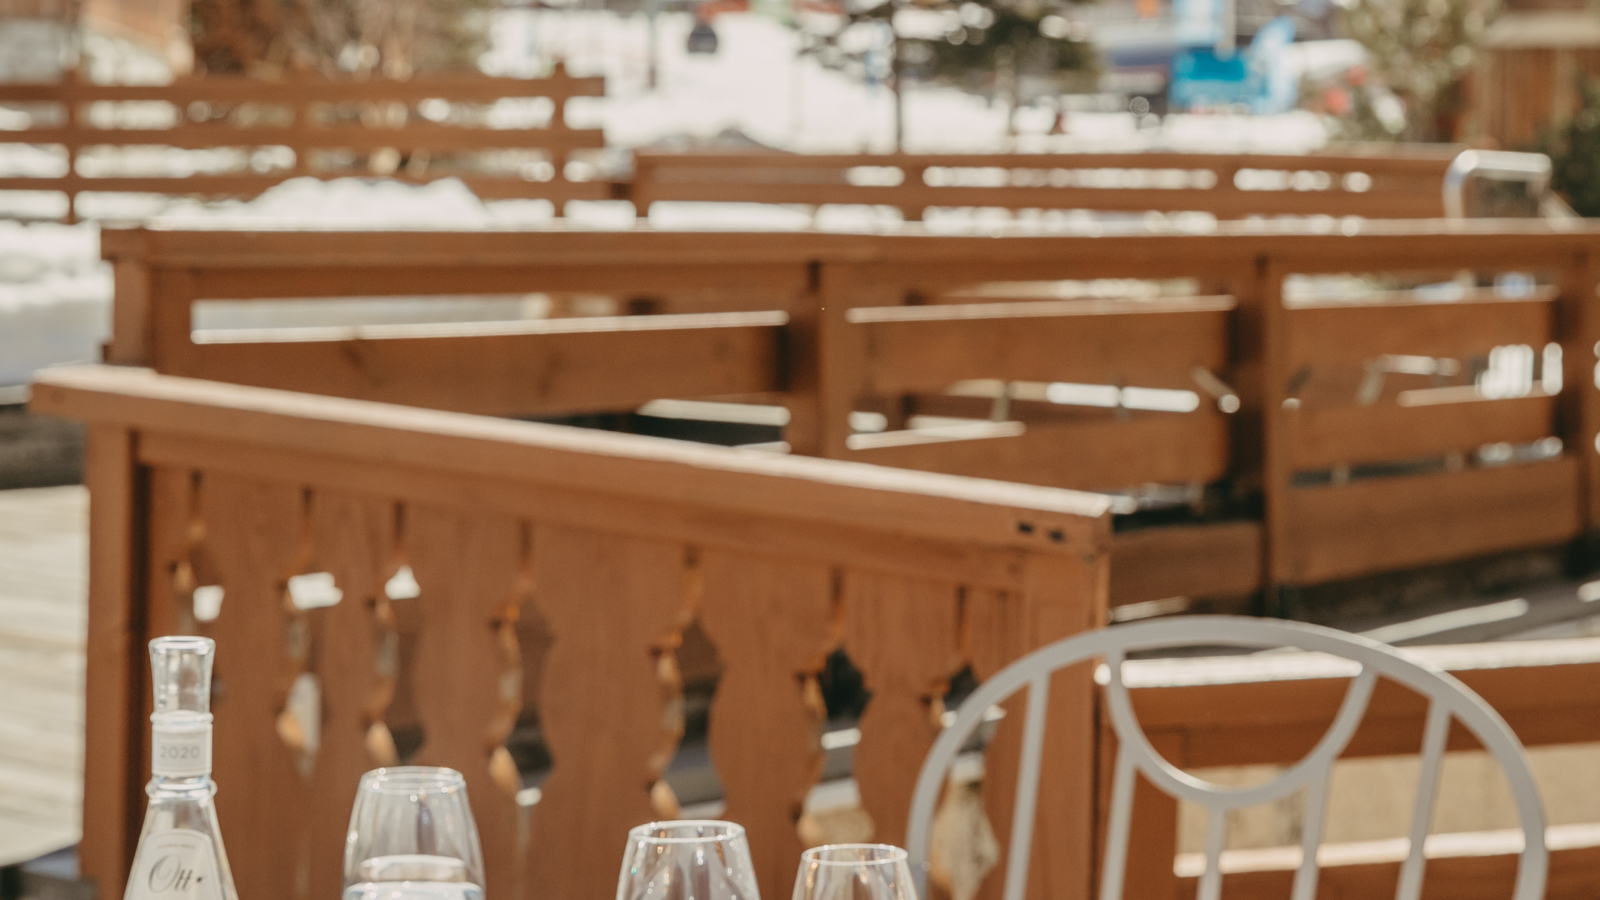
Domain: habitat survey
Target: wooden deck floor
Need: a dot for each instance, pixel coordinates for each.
(43, 590)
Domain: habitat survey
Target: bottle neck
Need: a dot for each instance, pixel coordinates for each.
(180, 748)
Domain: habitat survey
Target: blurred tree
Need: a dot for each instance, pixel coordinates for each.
(1574, 151)
(391, 37)
(1420, 50)
(1015, 51)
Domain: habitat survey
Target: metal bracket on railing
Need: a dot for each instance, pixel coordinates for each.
(1532, 168)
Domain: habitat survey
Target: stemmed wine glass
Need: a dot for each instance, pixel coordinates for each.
(854, 872)
(690, 859)
(412, 838)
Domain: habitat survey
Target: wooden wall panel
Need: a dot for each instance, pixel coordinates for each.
(772, 624)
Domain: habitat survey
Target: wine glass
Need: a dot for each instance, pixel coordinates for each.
(412, 838)
(854, 872)
(690, 859)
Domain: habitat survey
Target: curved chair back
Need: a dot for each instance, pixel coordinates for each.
(1448, 699)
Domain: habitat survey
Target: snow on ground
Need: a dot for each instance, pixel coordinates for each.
(55, 293)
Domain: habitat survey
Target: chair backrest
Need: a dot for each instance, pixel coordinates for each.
(1448, 699)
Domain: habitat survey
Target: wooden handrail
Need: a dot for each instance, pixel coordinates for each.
(565, 560)
(894, 322)
(1375, 183)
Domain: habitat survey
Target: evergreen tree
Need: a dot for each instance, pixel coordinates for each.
(1015, 51)
(1420, 50)
(1574, 151)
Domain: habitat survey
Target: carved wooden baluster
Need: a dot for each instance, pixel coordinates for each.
(253, 531)
(467, 564)
(771, 622)
(903, 635)
(609, 600)
(351, 540)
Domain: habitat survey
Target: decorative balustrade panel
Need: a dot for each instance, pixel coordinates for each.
(368, 609)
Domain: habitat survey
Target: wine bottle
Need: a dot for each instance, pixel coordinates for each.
(180, 854)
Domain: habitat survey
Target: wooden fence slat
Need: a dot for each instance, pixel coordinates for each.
(1260, 711)
(772, 624)
(611, 603)
(544, 370)
(1394, 523)
(1105, 342)
(1352, 334)
(1151, 448)
(294, 89)
(302, 138)
(1327, 436)
(487, 187)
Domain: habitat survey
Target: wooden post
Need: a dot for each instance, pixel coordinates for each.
(841, 357)
(114, 755)
(1578, 416)
(644, 172)
(1260, 451)
(130, 311)
(1063, 851)
(802, 343)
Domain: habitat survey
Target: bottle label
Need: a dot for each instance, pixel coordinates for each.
(180, 753)
(176, 865)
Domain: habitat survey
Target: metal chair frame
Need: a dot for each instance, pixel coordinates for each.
(1448, 699)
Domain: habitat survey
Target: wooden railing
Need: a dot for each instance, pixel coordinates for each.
(1291, 396)
(1270, 710)
(415, 130)
(447, 533)
(1381, 184)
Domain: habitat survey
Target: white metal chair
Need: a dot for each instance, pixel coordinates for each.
(1447, 698)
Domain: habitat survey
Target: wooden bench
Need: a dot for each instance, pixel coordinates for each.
(611, 544)
(1270, 710)
(415, 130)
(1377, 183)
(1289, 396)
